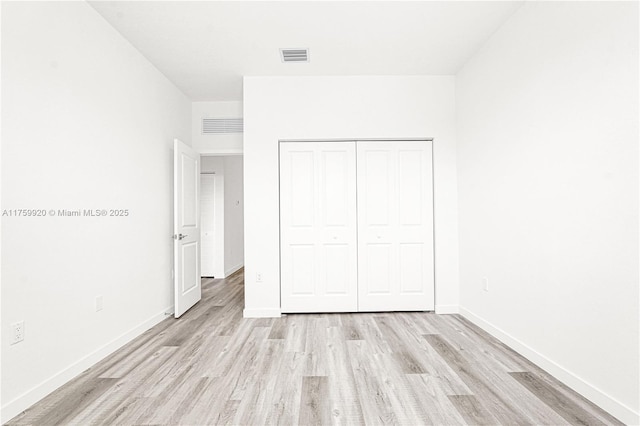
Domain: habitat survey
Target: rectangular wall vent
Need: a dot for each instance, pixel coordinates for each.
(294, 55)
(216, 126)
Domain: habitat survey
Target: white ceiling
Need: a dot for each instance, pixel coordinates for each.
(205, 47)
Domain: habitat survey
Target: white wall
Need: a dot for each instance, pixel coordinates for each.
(211, 164)
(233, 214)
(342, 107)
(215, 144)
(88, 123)
(548, 187)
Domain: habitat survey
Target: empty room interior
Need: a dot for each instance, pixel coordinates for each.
(320, 212)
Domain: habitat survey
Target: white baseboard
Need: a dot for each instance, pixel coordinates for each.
(262, 313)
(35, 394)
(233, 269)
(447, 309)
(598, 397)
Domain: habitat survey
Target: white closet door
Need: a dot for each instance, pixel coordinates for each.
(395, 226)
(207, 221)
(318, 227)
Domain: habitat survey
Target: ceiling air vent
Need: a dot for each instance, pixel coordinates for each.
(216, 126)
(294, 55)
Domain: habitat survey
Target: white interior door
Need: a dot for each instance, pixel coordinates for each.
(318, 227)
(186, 214)
(395, 226)
(207, 223)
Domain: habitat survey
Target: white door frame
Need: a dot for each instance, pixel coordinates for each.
(219, 228)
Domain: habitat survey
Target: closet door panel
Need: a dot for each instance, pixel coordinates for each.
(412, 277)
(375, 186)
(379, 269)
(302, 269)
(318, 212)
(395, 210)
(301, 178)
(410, 188)
(337, 276)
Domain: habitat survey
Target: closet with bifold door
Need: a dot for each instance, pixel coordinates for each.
(356, 226)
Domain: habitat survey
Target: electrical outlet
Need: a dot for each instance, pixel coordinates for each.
(99, 304)
(259, 277)
(485, 283)
(18, 332)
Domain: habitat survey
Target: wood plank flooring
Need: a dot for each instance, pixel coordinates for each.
(214, 367)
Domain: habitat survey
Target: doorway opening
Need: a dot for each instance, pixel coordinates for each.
(222, 215)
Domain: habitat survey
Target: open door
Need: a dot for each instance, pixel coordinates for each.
(186, 227)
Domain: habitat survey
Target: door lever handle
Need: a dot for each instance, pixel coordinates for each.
(180, 236)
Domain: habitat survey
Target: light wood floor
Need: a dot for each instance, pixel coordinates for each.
(214, 367)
